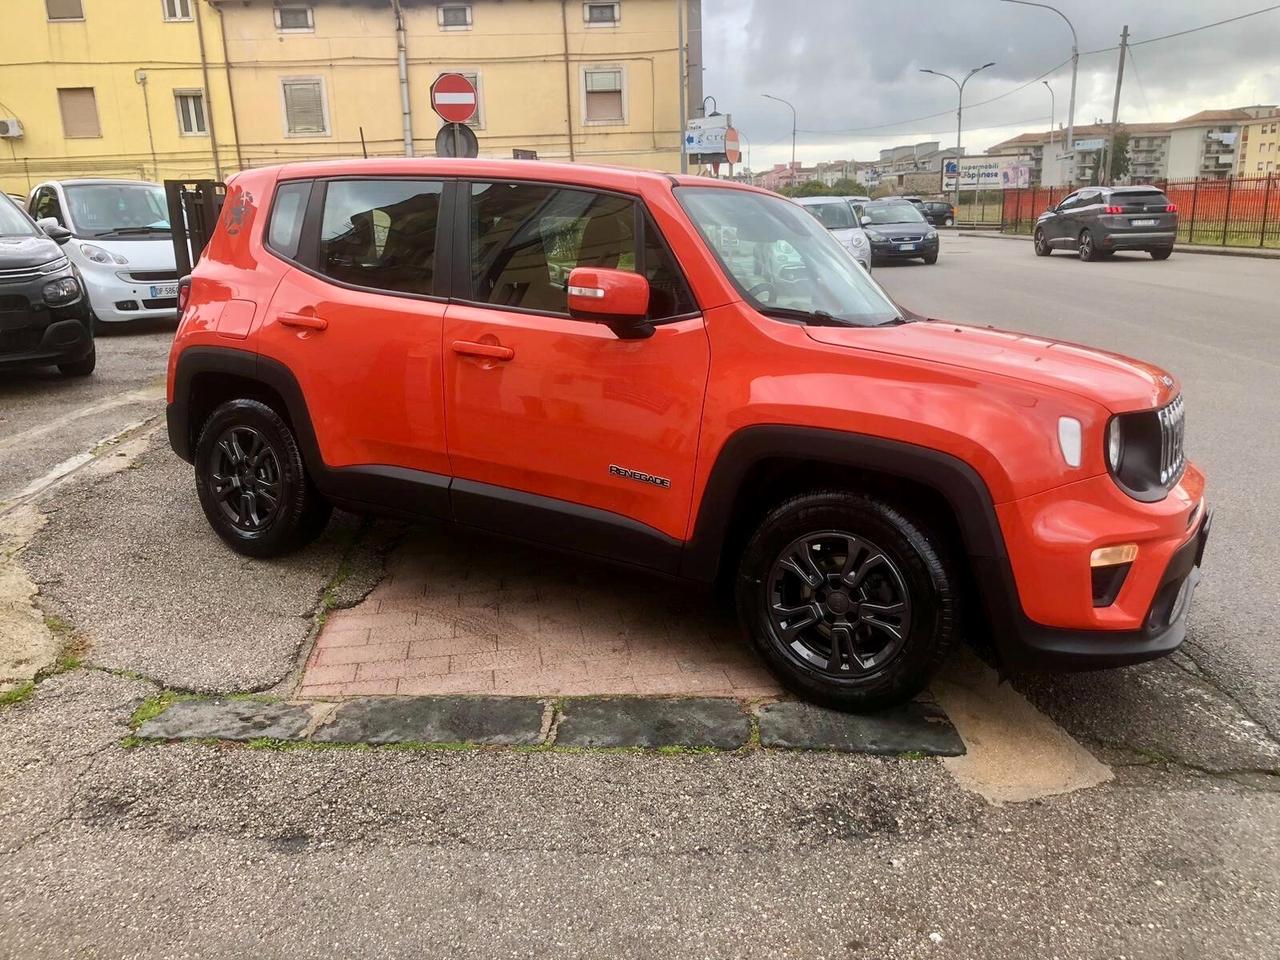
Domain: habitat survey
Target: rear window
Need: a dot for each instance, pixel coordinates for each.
(1143, 197)
(834, 215)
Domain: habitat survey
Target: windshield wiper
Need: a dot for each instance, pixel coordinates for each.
(125, 231)
(821, 318)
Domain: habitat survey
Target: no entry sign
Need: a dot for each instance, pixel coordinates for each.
(453, 97)
(732, 151)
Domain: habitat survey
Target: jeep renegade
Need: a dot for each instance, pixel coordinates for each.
(691, 377)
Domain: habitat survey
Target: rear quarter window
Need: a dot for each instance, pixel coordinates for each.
(287, 215)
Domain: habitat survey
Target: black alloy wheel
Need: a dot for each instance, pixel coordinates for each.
(839, 603)
(1041, 244)
(1087, 250)
(847, 600)
(252, 482)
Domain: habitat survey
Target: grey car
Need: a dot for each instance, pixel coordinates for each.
(1095, 222)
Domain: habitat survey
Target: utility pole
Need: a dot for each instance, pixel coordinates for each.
(683, 58)
(1105, 177)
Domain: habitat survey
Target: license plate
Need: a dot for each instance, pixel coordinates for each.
(1142, 223)
(162, 291)
(906, 246)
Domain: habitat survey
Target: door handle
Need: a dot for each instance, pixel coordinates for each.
(490, 351)
(303, 320)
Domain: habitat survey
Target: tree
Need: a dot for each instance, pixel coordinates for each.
(1120, 157)
(845, 187)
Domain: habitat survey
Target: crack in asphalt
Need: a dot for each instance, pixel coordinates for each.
(1202, 674)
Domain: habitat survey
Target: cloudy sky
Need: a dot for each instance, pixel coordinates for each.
(851, 67)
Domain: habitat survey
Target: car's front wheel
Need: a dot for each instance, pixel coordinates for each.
(82, 367)
(1041, 244)
(931, 257)
(252, 483)
(847, 600)
(1162, 253)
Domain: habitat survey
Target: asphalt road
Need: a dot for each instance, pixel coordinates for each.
(47, 419)
(200, 850)
(1213, 322)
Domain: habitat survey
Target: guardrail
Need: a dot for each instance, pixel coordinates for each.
(1233, 212)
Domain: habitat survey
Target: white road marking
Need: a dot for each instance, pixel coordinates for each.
(146, 395)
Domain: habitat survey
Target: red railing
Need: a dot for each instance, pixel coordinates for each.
(1235, 212)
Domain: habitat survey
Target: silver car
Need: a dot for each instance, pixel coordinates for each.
(837, 215)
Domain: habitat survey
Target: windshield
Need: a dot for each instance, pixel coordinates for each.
(835, 215)
(104, 209)
(783, 261)
(893, 213)
(12, 221)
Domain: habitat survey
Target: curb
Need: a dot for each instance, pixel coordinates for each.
(916, 729)
(1247, 253)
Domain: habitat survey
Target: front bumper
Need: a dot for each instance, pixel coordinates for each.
(118, 297)
(887, 250)
(1040, 599)
(35, 333)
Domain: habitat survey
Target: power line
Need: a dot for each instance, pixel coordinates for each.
(1133, 63)
(1183, 33)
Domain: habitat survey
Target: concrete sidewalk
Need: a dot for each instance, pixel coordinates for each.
(1257, 253)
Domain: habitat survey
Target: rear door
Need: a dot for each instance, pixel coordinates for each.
(557, 429)
(357, 318)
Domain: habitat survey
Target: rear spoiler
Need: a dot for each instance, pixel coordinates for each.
(194, 206)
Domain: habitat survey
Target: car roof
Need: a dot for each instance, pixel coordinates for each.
(806, 201)
(630, 179)
(1135, 188)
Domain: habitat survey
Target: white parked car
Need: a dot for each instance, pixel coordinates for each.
(837, 215)
(121, 244)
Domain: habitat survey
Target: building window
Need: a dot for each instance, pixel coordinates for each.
(297, 18)
(602, 14)
(454, 16)
(191, 113)
(305, 112)
(603, 96)
(79, 109)
(177, 9)
(64, 9)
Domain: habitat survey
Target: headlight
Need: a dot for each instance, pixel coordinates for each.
(875, 234)
(59, 292)
(857, 240)
(98, 255)
(931, 235)
(1115, 444)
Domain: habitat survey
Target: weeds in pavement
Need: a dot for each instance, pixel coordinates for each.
(22, 692)
(154, 706)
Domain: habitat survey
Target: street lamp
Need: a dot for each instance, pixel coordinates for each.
(1053, 110)
(1075, 67)
(959, 111)
(769, 96)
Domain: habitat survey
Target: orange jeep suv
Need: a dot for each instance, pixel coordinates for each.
(693, 378)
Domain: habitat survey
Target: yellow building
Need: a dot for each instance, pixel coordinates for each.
(195, 88)
(1259, 147)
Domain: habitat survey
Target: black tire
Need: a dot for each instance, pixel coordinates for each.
(1088, 252)
(931, 258)
(1164, 253)
(895, 556)
(82, 367)
(1041, 245)
(237, 482)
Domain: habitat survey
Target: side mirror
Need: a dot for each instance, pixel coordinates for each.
(866, 221)
(54, 230)
(617, 298)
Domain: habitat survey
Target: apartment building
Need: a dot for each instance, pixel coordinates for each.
(1258, 152)
(195, 88)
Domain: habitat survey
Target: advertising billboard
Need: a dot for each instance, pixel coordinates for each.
(987, 173)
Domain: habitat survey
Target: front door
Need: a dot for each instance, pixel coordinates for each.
(557, 429)
(358, 321)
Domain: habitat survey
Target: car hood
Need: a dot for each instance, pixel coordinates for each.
(19, 252)
(141, 254)
(1121, 384)
(910, 226)
(846, 234)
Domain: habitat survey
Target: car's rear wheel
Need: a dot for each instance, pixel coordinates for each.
(252, 483)
(1041, 244)
(847, 600)
(82, 367)
(1164, 253)
(1086, 246)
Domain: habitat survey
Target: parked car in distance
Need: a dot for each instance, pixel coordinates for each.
(898, 231)
(857, 476)
(938, 212)
(836, 215)
(122, 244)
(855, 204)
(1096, 222)
(44, 314)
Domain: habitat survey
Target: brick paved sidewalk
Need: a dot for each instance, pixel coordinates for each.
(465, 613)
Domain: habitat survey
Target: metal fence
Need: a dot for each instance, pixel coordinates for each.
(1235, 212)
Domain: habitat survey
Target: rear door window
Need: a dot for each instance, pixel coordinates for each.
(381, 234)
(527, 238)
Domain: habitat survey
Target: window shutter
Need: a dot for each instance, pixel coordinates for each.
(79, 112)
(64, 9)
(304, 107)
(604, 95)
